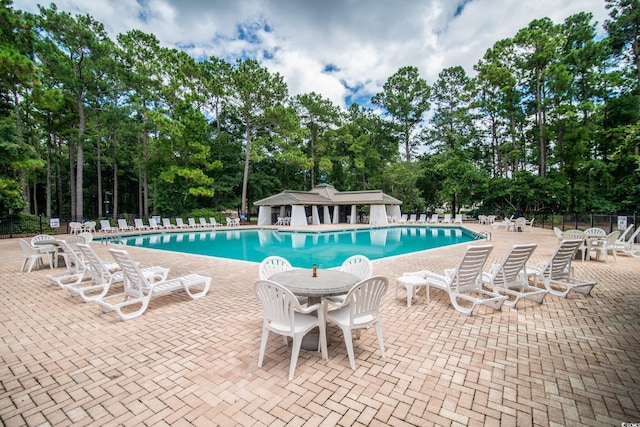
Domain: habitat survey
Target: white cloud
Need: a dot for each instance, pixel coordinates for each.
(364, 42)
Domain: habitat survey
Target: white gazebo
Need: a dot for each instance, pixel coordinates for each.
(325, 205)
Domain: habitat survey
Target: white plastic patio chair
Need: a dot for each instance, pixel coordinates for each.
(283, 315)
(75, 227)
(358, 265)
(272, 265)
(463, 284)
(556, 272)
(578, 235)
(446, 219)
(458, 219)
(33, 256)
(510, 276)
(140, 287)
(604, 246)
(360, 310)
(52, 250)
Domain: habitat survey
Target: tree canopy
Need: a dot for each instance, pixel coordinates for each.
(91, 126)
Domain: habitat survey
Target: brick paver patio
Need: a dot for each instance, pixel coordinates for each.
(568, 362)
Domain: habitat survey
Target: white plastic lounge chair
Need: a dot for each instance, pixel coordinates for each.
(192, 223)
(104, 274)
(559, 233)
(213, 222)
(446, 219)
(105, 227)
(139, 225)
(630, 247)
(434, 219)
(33, 256)
(284, 316)
(510, 276)
(604, 246)
(166, 224)
(139, 288)
(360, 310)
(623, 236)
(180, 223)
(76, 273)
(464, 283)
(203, 223)
(578, 235)
(403, 219)
(458, 219)
(506, 223)
(412, 219)
(422, 219)
(556, 272)
(123, 226)
(153, 224)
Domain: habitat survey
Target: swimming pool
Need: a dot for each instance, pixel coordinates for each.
(303, 249)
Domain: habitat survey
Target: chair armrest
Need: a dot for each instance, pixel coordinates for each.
(310, 309)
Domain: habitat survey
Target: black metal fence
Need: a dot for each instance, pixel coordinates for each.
(24, 226)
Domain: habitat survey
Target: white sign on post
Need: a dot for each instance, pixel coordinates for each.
(54, 222)
(622, 223)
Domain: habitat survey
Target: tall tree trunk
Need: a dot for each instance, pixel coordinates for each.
(72, 180)
(115, 176)
(99, 176)
(48, 186)
(245, 178)
(58, 175)
(80, 159)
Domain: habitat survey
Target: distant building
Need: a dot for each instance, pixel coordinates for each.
(325, 205)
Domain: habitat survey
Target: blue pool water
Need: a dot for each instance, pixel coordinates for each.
(303, 249)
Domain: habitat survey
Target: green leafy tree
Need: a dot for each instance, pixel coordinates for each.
(405, 98)
(254, 94)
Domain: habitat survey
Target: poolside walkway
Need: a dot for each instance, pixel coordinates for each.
(567, 362)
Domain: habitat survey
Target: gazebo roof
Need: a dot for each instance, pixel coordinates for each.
(325, 194)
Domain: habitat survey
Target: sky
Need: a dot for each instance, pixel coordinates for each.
(343, 50)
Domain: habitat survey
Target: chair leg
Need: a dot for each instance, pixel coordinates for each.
(380, 342)
(348, 342)
(295, 351)
(263, 345)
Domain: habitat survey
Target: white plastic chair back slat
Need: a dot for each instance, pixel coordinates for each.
(272, 265)
(358, 265)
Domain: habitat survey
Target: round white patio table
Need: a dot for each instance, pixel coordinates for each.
(327, 283)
